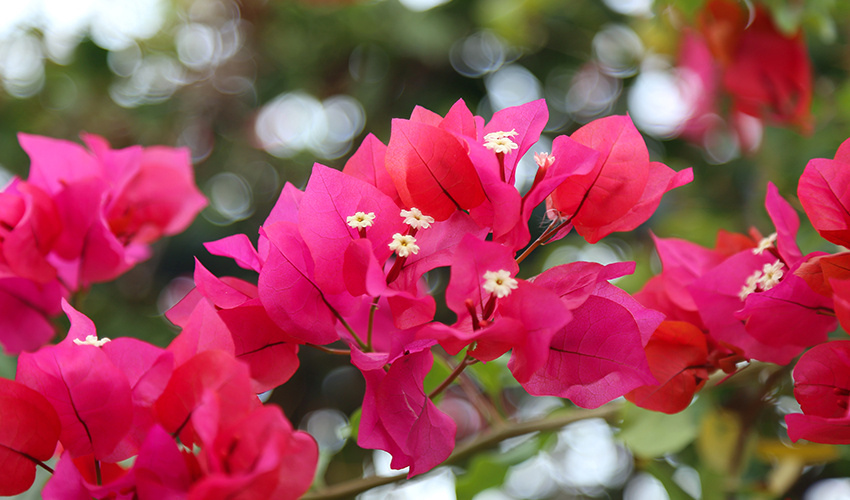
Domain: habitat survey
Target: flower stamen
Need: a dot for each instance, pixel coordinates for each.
(416, 219)
(764, 244)
(500, 142)
(544, 160)
(404, 245)
(92, 340)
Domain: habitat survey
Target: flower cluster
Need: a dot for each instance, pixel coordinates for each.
(760, 298)
(766, 73)
(342, 266)
(83, 216)
(344, 262)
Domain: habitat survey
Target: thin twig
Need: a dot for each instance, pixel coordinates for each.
(483, 441)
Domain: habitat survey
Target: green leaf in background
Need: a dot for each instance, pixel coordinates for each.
(8, 366)
(651, 434)
(485, 471)
(439, 372)
(354, 424)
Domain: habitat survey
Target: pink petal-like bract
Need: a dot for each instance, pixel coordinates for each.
(91, 395)
(425, 434)
(288, 289)
(329, 199)
(597, 357)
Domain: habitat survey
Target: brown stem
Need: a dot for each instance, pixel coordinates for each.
(331, 350)
(483, 441)
(749, 418)
(467, 360)
(547, 235)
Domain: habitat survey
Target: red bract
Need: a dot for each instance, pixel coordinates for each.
(767, 73)
(622, 190)
(29, 431)
(259, 456)
(431, 170)
(209, 392)
(160, 468)
(822, 386)
(683, 262)
(367, 164)
(678, 357)
(821, 270)
(824, 195)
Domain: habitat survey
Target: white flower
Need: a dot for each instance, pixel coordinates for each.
(92, 340)
(360, 220)
(500, 142)
(404, 245)
(772, 274)
(751, 286)
(544, 160)
(415, 219)
(764, 244)
(499, 282)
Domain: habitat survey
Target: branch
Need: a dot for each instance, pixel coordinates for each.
(483, 441)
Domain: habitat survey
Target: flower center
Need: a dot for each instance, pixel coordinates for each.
(360, 220)
(499, 283)
(415, 219)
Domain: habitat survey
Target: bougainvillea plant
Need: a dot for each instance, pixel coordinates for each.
(341, 266)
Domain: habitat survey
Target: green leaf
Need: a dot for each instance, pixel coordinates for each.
(493, 376)
(663, 471)
(483, 472)
(354, 424)
(487, 470)
(8, 366)
(652, 434)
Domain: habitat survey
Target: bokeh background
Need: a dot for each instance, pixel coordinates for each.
(259, 90)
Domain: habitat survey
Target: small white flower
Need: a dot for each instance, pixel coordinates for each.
(544, 160)
(764, 244)
(92, 340)
(360, 220)
(404, 245)
(751, 286)
(415, 219)
(499, 282)
(772, 274)
(500, 142)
